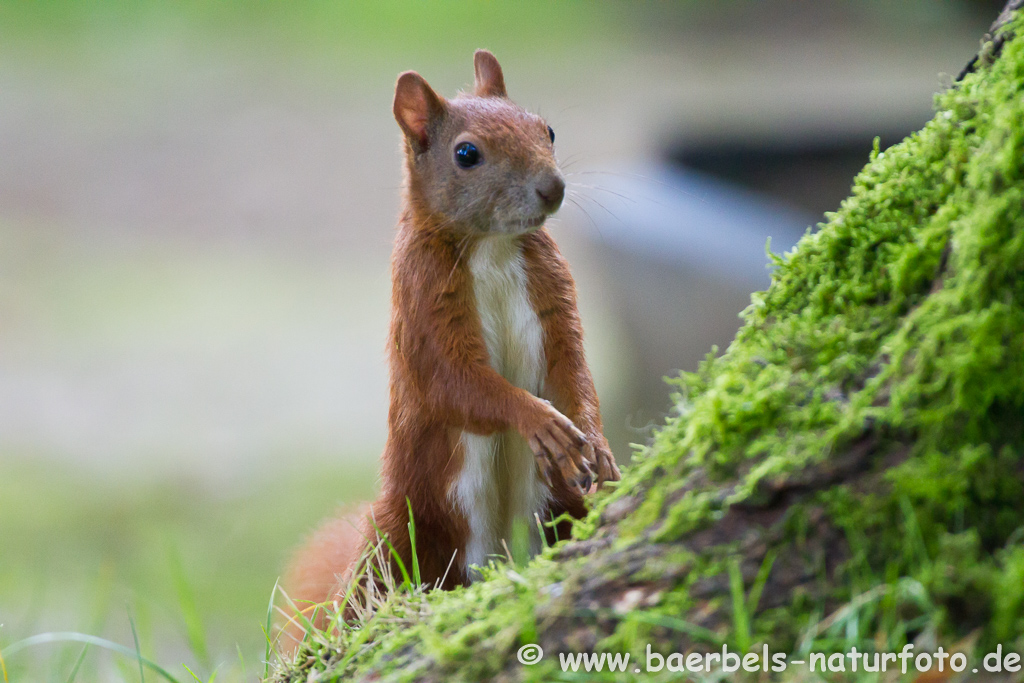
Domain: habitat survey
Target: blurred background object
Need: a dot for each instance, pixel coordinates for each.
(197, 202)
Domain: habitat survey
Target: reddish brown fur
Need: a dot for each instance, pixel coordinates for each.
(326, 559)
(441, 381)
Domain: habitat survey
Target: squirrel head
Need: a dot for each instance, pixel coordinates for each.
(479, 162)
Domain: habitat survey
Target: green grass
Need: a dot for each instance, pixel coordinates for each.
(184, 568)
(328, 32)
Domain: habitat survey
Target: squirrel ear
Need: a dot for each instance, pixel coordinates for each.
(416, 107)
(489, 81)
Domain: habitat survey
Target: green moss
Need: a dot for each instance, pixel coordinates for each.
(898, 324)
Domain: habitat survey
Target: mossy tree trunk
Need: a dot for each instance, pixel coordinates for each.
(848, 473)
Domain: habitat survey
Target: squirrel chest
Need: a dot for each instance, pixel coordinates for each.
(498, 489)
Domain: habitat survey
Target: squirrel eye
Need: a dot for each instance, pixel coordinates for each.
(551, 134)
(467, 155)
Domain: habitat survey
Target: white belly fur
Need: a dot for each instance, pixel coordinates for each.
(498, 489)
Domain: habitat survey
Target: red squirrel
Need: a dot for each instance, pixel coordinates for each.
(493, 418)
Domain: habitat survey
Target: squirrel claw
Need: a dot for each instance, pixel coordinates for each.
(559, 445)
(571, 467)
(607, 469)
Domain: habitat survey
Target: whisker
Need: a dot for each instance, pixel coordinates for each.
(569, 107)
(572, 159)
(639, 176)
(605, 189)
(593, 223)
(606, 209)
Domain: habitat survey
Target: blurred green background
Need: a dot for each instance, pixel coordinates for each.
(197, 203)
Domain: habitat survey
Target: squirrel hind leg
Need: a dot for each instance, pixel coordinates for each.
(317, 572)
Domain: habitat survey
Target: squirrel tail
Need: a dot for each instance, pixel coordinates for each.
(318, 571)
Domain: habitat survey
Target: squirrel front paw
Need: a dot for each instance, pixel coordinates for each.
(603, 461)
(559, 446)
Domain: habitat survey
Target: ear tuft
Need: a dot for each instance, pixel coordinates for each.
(489, 80)
(416, 108)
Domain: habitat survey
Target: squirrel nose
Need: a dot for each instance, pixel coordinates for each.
(551, 193)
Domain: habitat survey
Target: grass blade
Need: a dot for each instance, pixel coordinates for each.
(540, 530)
(241, 660)
(759, 582)
(187, 603)
(362, 636)
(555, 521)
(914, 534)
(213, 676)
(412, 542)
(294, 615)
(138, 650)
(406, 581)
(78, 665)
(740, 617)
(269, 625)
(70, 636)
(681, 625)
